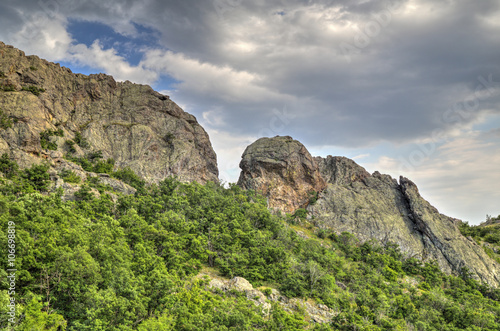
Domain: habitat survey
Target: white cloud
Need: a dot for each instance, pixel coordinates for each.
(111, 62)
(203, 78)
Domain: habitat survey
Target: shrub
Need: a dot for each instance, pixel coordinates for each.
(84, 193)
(80, 141)
(37, 176)
(45, 138)
(70, 144)
(70, 176)
(9, 88)
(7, 166)
(33, 89)
(128, 176)
(300, 213)
(5, 121)
(313, 197)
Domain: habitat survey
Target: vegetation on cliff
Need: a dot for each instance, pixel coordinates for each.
(132, 264)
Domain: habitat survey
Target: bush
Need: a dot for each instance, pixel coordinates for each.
(45, 138)
(5, 121)
(9, 88)
(37, 176)
(128, 176)
(81, 141)
(84, 193)
(300, 213)
(70, 176)
(313, 197)
(33, 89)
(70, 145)
(7, 166)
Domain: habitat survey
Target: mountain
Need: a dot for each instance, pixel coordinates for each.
(100, 234)
(370, 206)
(48, 112)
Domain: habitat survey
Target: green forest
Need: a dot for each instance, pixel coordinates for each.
(113, 262)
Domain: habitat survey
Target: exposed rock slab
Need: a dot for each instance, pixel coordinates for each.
(319, 313)
(378, 207)
(281, 169)
(131, 123)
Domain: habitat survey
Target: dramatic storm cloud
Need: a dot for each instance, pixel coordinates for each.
(406, 87)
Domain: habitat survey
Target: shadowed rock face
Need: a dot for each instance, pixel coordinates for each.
(131, 123)
(378, 207)
(281, 169)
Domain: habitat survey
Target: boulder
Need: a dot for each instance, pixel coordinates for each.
(281, 169)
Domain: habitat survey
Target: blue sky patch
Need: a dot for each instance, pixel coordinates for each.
(131, 48)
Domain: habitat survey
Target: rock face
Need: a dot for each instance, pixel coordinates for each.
(130, 123)
(281, 169)
(378, 207)
(371, 206)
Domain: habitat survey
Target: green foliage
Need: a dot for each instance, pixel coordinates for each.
(487, 235)
(2, 74)
(81, 141)
(45, 138)
(93, 162)
(33, 89)
(9, 88)
(8, 167)
(70, 176)
(128, 176)
(5, 121)
(33, 68)
(84, 193)
(300, 213)
(313, 197)
(37, 176)
(134, 264)
(70, 145)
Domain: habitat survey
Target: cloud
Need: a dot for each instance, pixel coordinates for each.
(335, 74)
(109, 61)
(458, 177)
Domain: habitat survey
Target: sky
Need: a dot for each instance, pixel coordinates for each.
(405, 87)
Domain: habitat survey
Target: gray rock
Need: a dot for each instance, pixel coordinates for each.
(131, 123)
(378, 207)
(281, 169)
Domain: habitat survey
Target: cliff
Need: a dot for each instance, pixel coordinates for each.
(281, 169)
(44, 106)
(371, 206)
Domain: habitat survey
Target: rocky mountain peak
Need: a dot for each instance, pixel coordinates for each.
(370, 206)
(45, 106)
(281, 169)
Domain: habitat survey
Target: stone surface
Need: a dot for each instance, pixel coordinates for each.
(319, 313)
(131, 123)
(378, 207)
(281, 169)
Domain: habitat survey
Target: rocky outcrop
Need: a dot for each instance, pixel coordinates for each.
(130, 123)
(318, 313)
(371, 206)
(378, 207)
(281, 169)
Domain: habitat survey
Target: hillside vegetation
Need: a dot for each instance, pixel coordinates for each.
(130, 263)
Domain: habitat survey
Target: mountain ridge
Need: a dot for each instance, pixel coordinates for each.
(50, 111)
(376, 206)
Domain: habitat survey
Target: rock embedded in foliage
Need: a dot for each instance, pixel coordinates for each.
(281, 169)
(318, 313)
(378, 207)
(131, 123)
